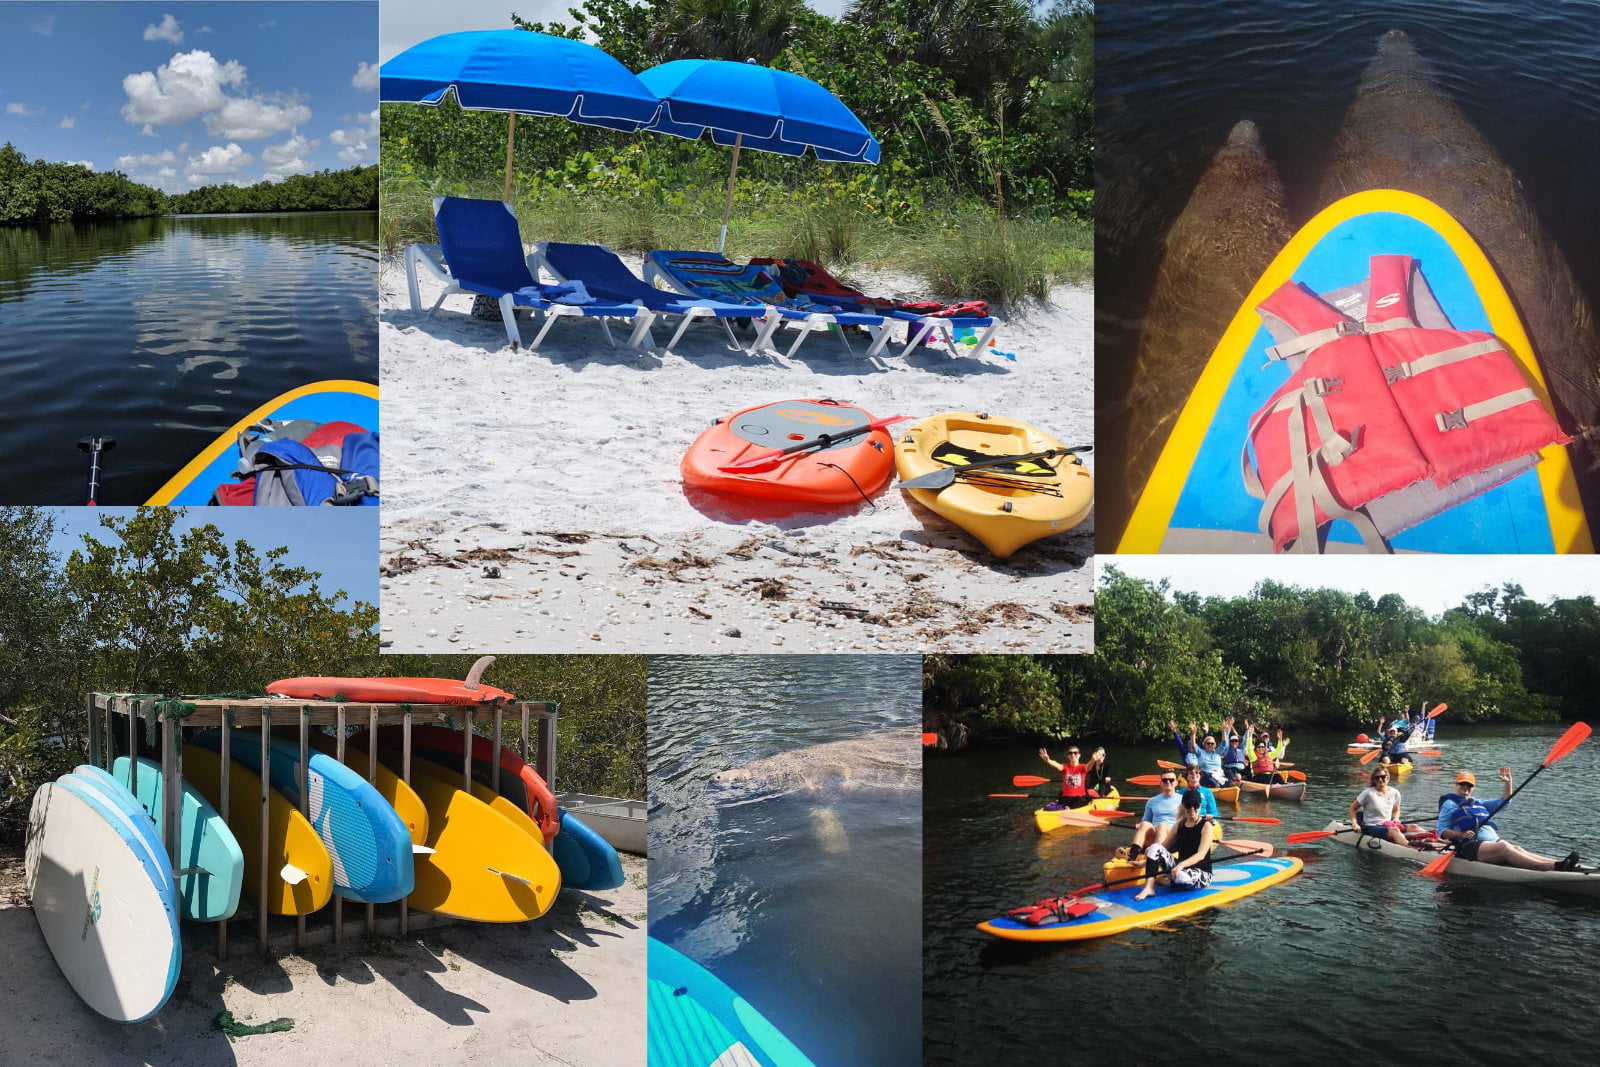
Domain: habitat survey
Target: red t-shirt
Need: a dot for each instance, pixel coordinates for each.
(1074, 777)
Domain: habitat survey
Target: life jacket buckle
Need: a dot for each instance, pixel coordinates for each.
(1451, 420)
(1349, 328)
(1397, 372)
(1324, 386)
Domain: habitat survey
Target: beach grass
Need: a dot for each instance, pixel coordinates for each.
(958, 250)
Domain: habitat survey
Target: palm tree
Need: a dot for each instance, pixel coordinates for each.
(727, 29)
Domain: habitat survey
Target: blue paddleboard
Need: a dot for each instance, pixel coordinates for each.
(1195, 500)
(206, 847)
(369, 843)
(586, 859)
(696, 1021)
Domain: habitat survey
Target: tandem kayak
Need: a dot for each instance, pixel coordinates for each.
(694, 1020)
(1199, 499)
(1005, 506)
(332, 425)
(1054, 819)
(1583, 880)
(1115, 910)
(1276, 791)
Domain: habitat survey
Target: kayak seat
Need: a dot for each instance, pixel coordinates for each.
(480, 251)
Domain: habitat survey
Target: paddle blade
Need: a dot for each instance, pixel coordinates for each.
(1354, 751)
(1247, 848)
(1436, 868)
(1025, 781)
(930, 739)
(1438, 711)
(1570, 740)
(1298, 776)
(1145, 779)
(1370, 756)
(1110, 814)
(1168, 765)
(1262, 819)
(1308, 835)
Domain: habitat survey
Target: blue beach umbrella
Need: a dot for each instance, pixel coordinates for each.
(520, 72)
(745, 105)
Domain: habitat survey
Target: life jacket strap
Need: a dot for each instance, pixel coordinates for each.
(1307, 342)
(1441, 359)
(1460, 417)
(1311, 489)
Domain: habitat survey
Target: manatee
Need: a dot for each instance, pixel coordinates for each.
(1404, 132)
(828, 831)
(883, 759)
(1233, 224)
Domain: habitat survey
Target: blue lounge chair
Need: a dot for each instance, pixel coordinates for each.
(708, 274)
(605, 276)
(480, 251)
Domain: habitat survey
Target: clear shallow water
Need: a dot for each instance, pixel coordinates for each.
(1295, 967)
(164, 332)
(826, 945)
(1173, 77)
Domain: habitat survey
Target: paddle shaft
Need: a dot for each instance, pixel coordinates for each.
(769, 460)
(95, 446)
(1140, 878)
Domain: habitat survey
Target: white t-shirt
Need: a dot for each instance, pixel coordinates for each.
(1378, 807)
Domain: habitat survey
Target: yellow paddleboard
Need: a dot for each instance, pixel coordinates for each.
(484, 866)
(290, 836)
(505, 807)
(401, 797)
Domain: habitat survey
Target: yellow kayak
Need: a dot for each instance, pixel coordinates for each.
(1049, 820)
(1005, 506)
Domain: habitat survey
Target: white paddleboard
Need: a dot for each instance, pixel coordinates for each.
(109, 915)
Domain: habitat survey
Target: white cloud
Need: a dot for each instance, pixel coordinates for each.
(134, 162)
(185, 87)
(168, 30)
(17, 107)
(288, 158)
(267, 25)
(84, 106)
(68, 121)
(357, 144)
(218, 160)
(365, 77)
(166, 172)
(84, 163)
(251, 119)
(43, 26)
(202, 29)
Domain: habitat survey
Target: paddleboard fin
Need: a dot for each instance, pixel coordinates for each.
(292, 874)
(421, 850)
(475, 675)
(193, 870)
(511, 877)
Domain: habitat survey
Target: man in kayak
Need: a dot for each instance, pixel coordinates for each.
(1394, 748)
(1186, 862)
(1156, 825)
(1376, 810)
(1208, 799)
(1468, 823)
(1075, 776)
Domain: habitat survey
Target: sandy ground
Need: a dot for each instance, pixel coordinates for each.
(533, 501)
(565, 989)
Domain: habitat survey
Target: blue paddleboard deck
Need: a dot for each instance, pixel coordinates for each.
(697, 1021)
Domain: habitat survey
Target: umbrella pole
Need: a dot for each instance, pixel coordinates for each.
(511, 136)
(727, 203)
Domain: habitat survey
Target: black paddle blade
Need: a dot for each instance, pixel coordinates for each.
(947, 475)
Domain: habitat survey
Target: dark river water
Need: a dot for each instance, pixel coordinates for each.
(826, 944)
(1172, 77)
(164, 332)
(1356, 960)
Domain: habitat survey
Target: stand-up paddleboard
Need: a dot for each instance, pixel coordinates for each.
(322, 402)
(293, 847)
(1115, 911)
(519, 782)
(696, 1021)
(1196, 500)
(854, 464)
(586, 859)
(369, 845)
(389, 690)
(484, 866)
(421, 764)
(87, 777)
(207, 849)
(108, 913)
(400, 796)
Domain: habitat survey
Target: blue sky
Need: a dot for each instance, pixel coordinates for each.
(340, 543)
(180, 95)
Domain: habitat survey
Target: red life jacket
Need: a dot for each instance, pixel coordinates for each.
(1385, 421)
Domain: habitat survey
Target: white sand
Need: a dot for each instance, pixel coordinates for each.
(567, 988)
(533, 502)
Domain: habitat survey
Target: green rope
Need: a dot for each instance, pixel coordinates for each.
(225, 1022)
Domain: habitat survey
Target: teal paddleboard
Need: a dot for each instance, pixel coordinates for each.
(586, 859)
(369, 843)
(697, 1021)
(207, 851)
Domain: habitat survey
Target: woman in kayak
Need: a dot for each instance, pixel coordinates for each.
(1188, 863)
(1263, 768)
(1235, 757)
(1376, 810)
(1075, 776)
(1394, 748)
(1468, 823)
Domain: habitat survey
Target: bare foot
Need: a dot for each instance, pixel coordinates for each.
(1144, 893)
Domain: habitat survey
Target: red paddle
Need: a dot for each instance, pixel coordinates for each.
(930, 739)
(768, 460)
(1564, 744)
(1308, 835)
(1023, 795)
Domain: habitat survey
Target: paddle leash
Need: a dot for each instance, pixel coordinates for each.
(95, 446)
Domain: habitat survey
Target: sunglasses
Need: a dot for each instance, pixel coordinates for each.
(1072, 752)
(1169, 781)
(1380, 778)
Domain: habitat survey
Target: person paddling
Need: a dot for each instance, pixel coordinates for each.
(1375, 811)
(1187, 865)
(1468, 823)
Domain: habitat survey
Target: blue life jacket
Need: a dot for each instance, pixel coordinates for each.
(1469, 815)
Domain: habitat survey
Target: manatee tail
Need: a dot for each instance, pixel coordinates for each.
(1226, 235)
(1404, 132)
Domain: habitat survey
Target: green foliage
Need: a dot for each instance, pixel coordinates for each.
(355, 189)
(997, 696)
